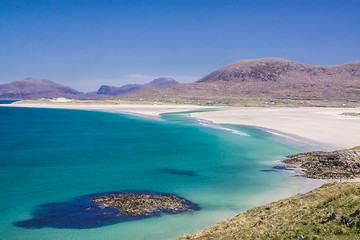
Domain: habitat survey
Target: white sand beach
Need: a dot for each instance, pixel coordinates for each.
(323, 126)
(150, 110)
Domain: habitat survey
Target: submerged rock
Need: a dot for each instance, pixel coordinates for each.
(282, 167)
(179, 172)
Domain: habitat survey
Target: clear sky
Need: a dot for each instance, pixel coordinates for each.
(87, 43)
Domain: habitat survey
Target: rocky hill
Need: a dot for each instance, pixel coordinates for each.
(267, 79)
(259, 80)
(31, 88)
(116, 91)
(283, 71)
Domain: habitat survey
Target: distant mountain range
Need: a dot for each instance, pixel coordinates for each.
(31, 88)
(116, 91)
(257, 79)
(268, 78)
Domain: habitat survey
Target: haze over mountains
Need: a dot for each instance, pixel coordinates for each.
(268, 78)
(31, 88)
(257, 79)
(116, 91)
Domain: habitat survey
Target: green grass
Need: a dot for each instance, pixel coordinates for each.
(351, 114)
(303, 214)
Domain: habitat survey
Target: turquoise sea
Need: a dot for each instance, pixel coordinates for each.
(55, 155)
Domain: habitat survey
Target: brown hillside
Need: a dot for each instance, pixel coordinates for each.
(267, 78)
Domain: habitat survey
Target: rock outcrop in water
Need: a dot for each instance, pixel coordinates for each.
(143, 204)
(97, 210)
(337, 164)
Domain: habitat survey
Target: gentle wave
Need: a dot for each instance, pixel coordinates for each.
(223, 128)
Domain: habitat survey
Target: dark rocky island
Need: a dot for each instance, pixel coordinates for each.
(97, 210)
(137, 204)
(339, 164)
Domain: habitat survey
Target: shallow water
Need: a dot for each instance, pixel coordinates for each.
(55, 155)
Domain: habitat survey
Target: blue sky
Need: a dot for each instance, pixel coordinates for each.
(84, 44)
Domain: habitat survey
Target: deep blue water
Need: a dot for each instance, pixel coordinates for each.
(7, 101)
(50, 156)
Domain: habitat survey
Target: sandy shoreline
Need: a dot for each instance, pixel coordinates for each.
(325, 127)
(150, 110)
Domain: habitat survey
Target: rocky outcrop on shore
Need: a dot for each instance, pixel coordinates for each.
(134, 204)
(339, 164)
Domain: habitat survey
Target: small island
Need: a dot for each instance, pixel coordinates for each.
(102, 209)
(137, 204)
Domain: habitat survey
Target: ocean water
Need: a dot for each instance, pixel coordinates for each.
(54, 155)
(7, 101)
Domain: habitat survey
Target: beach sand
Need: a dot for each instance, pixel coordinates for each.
(150, 110)
(325, 127)
(322, 126)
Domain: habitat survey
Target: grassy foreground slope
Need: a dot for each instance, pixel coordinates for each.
(328, 212)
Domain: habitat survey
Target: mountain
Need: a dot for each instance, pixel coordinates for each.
(31, 88)
(116, 91)
(283, 71)
(245, 80)
(265, 79)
